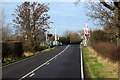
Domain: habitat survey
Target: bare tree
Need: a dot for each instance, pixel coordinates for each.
(31, 20)
(107, 14)
(75, 37)
(2, 19)
(115, 8)
(72, 36)
(66, 33)
(5, 29)
(6, 32)
(103, 17)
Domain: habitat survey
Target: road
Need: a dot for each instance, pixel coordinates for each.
(61, 62)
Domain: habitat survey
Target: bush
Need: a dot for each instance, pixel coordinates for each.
(12, 48)
(18, 48)
(64, 40)
(5, 50)
(99, 36)
(107, 50)
(40, 48)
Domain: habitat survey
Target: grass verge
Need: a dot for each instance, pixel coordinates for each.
(98, 68)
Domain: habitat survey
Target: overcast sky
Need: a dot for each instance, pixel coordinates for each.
(65, 15)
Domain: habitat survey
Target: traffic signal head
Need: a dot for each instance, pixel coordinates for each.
(49, 35)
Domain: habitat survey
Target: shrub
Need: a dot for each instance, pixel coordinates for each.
(12, 48)
(64, 40)
(99, 36)
(40, 48)
(5, 50)
(107, 50)
(18, 48)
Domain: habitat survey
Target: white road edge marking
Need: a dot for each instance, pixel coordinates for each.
(82, 73)
(20, 60)
(42, 64)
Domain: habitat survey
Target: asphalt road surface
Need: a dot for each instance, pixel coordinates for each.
(61, 62)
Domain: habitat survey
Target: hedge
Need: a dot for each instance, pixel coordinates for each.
(14, 48)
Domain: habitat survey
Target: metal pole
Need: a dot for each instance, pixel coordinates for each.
(46, 36)
(55, 33)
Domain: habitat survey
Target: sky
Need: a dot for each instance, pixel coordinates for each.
(65, 15)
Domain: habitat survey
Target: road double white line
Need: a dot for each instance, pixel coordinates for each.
(33, 71)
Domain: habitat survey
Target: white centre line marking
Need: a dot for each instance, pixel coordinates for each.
(47, 63)
(42, 64)
(32, 74)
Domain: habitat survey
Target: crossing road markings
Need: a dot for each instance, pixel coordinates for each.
(42, 65)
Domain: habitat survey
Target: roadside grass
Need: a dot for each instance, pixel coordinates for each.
(25, 55)
(98, 68)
